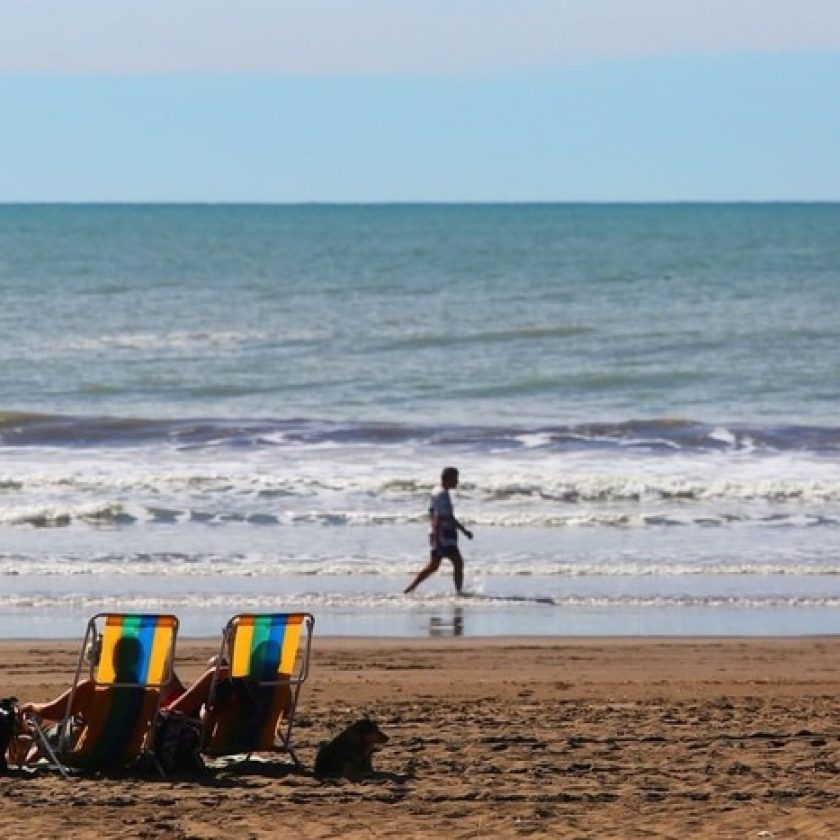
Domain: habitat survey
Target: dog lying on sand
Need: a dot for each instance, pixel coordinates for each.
(350, 753)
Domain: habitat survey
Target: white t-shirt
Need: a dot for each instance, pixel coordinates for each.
(440, 505)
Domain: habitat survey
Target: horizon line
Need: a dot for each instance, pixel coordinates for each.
(410, 202)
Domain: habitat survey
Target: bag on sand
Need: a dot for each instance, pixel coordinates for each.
(177, 743)
(8, 713)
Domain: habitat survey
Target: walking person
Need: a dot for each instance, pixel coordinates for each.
(443, 534)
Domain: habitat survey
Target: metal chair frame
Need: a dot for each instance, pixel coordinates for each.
(294, 680)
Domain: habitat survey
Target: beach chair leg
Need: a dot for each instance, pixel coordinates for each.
(158, 766)
(43, 743)
(297, 762)
(287, 747)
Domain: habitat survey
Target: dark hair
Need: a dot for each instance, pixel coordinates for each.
(449, 472)
(128, 653)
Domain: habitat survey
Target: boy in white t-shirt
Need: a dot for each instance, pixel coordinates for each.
(443, 534)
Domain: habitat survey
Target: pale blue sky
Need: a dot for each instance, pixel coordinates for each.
(391, 100)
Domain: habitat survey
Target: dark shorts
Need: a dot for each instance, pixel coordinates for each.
(449, 551)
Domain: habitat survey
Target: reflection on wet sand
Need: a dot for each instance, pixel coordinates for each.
(447, 625)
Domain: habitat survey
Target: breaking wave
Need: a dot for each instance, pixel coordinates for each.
(659, 435)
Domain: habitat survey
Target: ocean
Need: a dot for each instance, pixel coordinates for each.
(209, 409)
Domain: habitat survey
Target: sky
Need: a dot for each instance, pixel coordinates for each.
(419, 100)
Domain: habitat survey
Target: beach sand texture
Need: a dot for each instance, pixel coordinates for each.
(606, 738)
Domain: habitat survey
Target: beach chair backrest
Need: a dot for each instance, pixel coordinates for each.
(255, 697)
(135, 649)
(130, 659)
(266, 648)
(120, 721)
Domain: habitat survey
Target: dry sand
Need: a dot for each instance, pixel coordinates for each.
(615, 738)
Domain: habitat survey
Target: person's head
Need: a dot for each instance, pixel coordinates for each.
(128, 652)
(449, 477)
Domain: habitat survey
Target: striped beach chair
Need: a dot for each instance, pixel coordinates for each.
(126, 661)
(263, 662)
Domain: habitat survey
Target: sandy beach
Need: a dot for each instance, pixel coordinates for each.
(606, 738)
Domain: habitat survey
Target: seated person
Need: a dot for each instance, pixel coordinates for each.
(191, 701)
(240, 690)
(127, 653)
(243, 708)
(85, 698)
(56, 709)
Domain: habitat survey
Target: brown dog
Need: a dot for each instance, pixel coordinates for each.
(350, 753)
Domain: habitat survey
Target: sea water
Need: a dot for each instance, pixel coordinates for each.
(210, 409)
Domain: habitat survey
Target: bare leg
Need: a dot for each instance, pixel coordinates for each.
(457, 570)
(427, 571)
(191, 701)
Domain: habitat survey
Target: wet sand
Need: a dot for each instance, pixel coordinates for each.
(579, 738)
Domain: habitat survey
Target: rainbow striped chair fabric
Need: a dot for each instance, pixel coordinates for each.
(125, 662)
(263, 662)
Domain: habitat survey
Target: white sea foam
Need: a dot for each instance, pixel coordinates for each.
(354, 479)
(313, 601)
(274, 566)
(162, 341)
(117, 514)
(724, 436)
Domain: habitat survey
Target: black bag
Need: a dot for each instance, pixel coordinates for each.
(177, 743)
(8, 714)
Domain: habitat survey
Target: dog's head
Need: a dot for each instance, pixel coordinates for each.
(369, 733)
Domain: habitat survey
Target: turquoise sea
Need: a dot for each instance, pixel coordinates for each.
(212, 408)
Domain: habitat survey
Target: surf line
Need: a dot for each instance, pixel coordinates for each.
(517, 599)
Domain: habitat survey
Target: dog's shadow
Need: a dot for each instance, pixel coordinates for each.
(257, 767)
